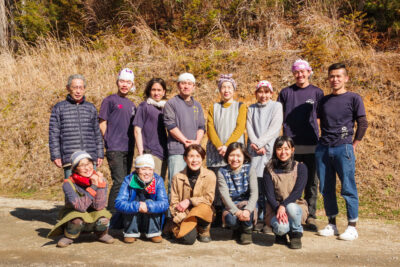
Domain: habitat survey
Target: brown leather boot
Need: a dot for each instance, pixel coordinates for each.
(129, 240)
(156, 239)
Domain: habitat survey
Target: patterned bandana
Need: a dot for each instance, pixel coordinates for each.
(301, 65)
(264, 83)
(226, 78)
(150, 187)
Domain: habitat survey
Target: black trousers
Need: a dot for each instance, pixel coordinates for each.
(120, 163)
(311, 190)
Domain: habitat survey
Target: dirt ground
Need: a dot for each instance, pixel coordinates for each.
(24, 225)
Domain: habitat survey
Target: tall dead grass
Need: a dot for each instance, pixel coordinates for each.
(34, 80)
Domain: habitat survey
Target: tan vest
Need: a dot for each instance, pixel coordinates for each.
(283, 186)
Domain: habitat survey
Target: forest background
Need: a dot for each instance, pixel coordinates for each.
(43, 42)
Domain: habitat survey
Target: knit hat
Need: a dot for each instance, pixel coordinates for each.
(186, 77)
(301, 65)
(145, 160)
(226, 78)
(127, 75)
(77, 156)
(264, 83)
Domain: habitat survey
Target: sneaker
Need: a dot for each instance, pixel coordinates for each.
(350, 234)
(329, 230)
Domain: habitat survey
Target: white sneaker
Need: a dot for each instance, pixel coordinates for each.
(350, 234)
(329, 230)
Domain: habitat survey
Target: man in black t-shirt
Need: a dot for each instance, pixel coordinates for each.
(335, 150)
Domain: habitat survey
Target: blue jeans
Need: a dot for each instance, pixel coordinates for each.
(294, 213)
(149, 224)
(340, 160)
(176, 163)
(233, 222)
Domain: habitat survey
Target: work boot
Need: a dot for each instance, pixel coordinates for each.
(129, 240)
(295, 240)
(105, 237)
(246, 236)
(64, 242)
(311, 224)
(281, 239)
(204, 233)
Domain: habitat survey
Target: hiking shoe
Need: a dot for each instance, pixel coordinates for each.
(129, 240)
(64, 242)
(281, 239)
(350, 234)
(106, 238)
(295, 240)
(156, 239)
(311, 224)
(329, 230)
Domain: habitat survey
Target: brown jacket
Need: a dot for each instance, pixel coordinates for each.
(203, 192)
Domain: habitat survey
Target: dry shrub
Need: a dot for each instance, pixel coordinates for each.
(34, 80)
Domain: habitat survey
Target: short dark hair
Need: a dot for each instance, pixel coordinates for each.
(151, 83)
(337, 66)
(196, 147)
(234, 146)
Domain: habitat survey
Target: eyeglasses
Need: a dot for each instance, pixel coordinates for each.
(84, 166)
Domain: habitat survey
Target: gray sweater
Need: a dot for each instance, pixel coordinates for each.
(226, 198)
(188, 117)
(263, 125)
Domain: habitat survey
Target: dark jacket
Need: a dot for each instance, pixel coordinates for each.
(74, 127)
(126, 201)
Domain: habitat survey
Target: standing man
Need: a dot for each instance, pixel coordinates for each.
(335, 151)
(184, 120)
(74, 126)
(116, 116)
(300, 102)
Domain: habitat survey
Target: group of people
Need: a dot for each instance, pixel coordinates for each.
(244, 184)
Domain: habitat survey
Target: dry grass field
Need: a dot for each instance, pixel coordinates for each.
(34, 79)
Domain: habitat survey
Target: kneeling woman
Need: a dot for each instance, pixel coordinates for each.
(85, 201)
(192, 195)
(285, 180)
(237, 184)
(141, 202)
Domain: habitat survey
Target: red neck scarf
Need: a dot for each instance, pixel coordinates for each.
(81, 180)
